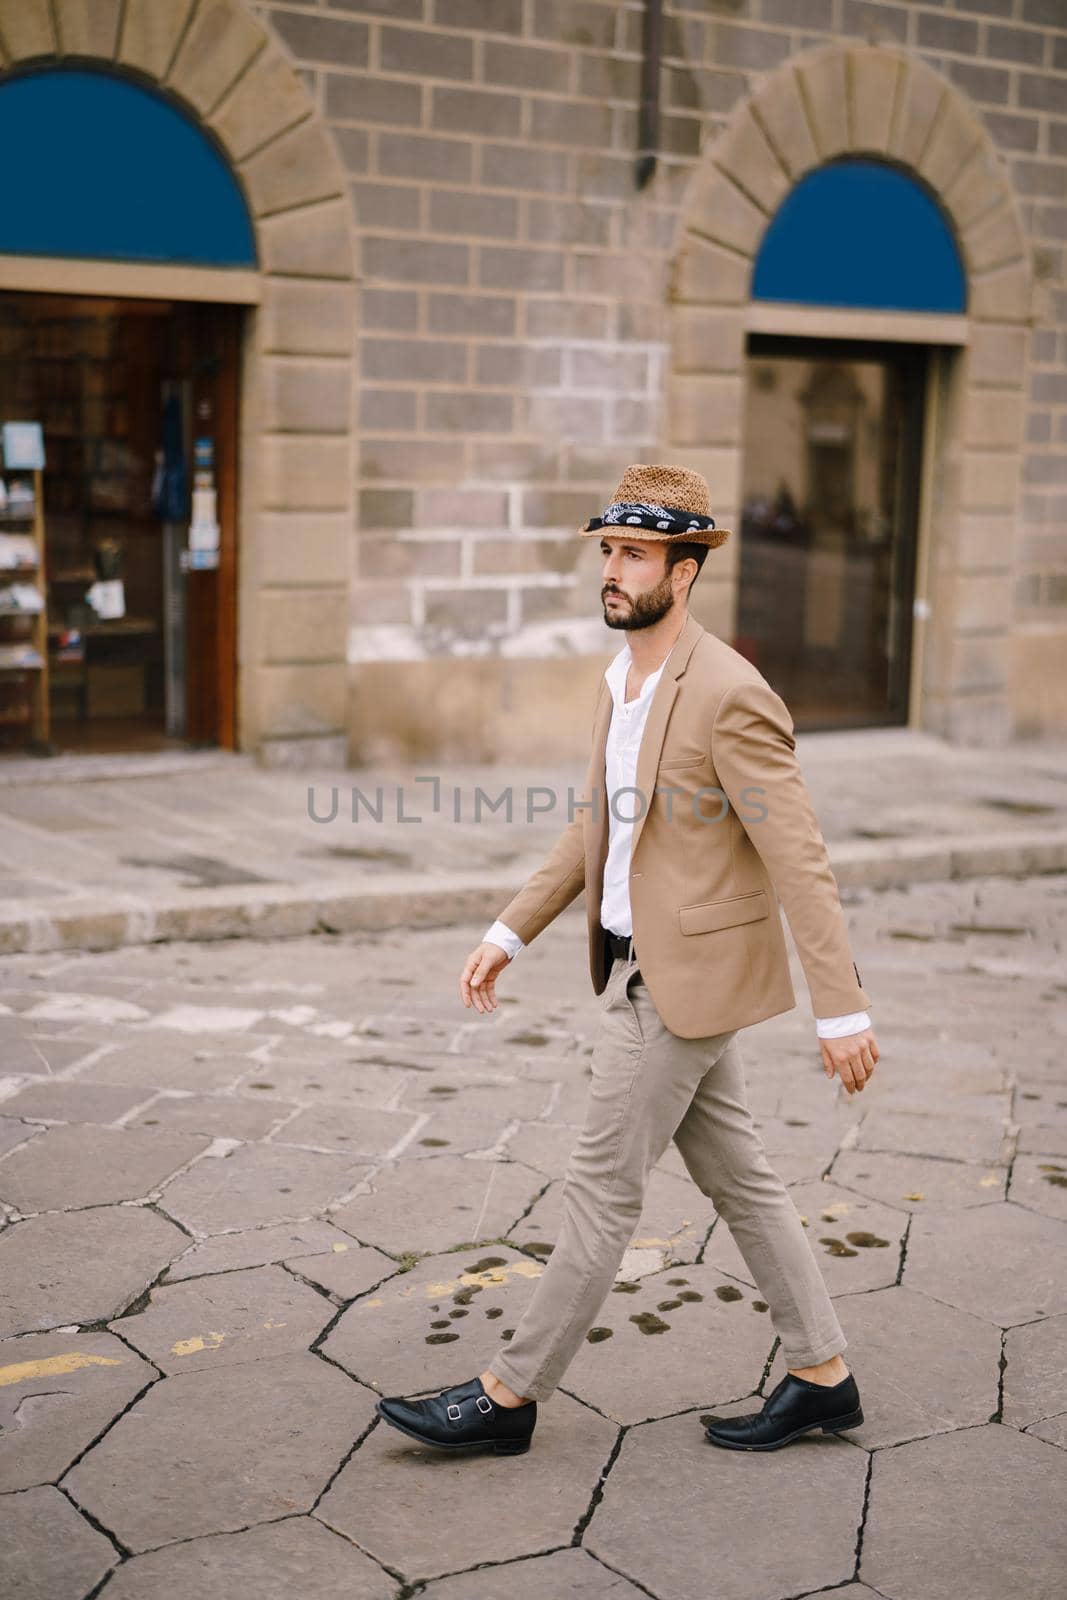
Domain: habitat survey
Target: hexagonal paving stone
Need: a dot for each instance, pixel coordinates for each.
(456, 1130)
(166, 1063)
(1041, 1140)
(674, 1223)
(21, 1048)
(437, 1324)
(298, 1556)
(410, 1505)
(684, 1517)
(956, 1515)
(569, 1100)
(1035, 1375)
(1052, 1429)
(57, 1392)
(499, 1098)
(259, 1247)
(913, 1133)
(545, 1146)
(849, 1265)
(1001, 1262)
(13, 1133)
(1041, 1105)
(234, 1316)
(921, 1367)
(348, 1270)
(848, 1591)
(919, 1183)
(80, 1266)
(218, 1116)
(258, 1184)
(983, 1096)
(71, 1101)
(74, 1166)
(572, 1573)
(809, 1142)
(423, 1206)
(1039, 1184)
(353, 1082)
(242, 1444)
(665, 1352)
(360, 1130)
(47, 1551)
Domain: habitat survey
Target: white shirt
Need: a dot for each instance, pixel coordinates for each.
(620, 770)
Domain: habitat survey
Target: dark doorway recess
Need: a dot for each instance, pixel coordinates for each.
(126, 389)
(832, 452)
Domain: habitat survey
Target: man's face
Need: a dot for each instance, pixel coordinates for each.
(637, 589)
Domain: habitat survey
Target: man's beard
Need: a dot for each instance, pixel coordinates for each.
(642, 610)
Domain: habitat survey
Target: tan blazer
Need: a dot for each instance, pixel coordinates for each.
(708, 870)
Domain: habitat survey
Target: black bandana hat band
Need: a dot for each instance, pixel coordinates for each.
(639, 514)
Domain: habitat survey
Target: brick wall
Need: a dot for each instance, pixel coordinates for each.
(513, 319)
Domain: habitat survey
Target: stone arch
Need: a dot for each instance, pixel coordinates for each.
(879, 102)
(230, 75)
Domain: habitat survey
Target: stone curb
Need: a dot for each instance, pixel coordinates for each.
(402, 900)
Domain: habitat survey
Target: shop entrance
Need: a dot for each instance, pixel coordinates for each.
(830, 481)
(137, 402)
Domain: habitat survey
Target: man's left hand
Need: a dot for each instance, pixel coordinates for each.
(852, 1057)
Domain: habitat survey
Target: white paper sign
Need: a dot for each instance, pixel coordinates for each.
(107, 598)
(23, 446)
(204, 528)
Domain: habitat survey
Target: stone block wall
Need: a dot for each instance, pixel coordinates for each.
(519, 341)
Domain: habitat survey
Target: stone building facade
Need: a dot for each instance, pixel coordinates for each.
(469, 319)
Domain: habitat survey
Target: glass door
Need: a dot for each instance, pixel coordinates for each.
(830, 493)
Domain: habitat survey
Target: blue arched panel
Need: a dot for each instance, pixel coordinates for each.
(97, 166)
(860, 234)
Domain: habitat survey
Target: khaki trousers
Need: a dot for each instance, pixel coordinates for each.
(649, 1086)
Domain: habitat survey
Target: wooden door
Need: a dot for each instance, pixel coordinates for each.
(207, 351)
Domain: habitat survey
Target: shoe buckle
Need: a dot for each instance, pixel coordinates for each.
(454, 1412)
(484, 1404)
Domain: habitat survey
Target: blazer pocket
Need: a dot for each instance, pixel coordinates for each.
(714, 914)
(689, 761)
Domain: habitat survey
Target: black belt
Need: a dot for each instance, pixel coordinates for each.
(621, 945)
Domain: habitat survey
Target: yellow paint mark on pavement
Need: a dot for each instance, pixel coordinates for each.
(337, 1248)
(916, 1194)
(190, 1347)
(491, 1275)
(54, 1366)
(990, 1181)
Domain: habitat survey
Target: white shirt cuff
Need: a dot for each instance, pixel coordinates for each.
(502, 935)
(837, 1027)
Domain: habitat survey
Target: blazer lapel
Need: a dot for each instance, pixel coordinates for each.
(659, 713)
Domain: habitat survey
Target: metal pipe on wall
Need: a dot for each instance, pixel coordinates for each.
(648, 114)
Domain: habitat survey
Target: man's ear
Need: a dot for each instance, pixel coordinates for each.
(679, 566)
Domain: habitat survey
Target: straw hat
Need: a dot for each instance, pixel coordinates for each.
(671, 503)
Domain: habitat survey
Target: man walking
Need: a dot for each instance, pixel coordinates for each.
(696, 823)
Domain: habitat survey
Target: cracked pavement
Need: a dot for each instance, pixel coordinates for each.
(247, 1187)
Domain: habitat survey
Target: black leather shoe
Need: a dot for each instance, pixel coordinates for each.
(795, 1406)
(463, 1415)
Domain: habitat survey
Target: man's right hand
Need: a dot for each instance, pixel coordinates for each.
(477, 984)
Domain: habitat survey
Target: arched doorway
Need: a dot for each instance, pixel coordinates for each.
(860, 418)
(224, 129)
(832, 436)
